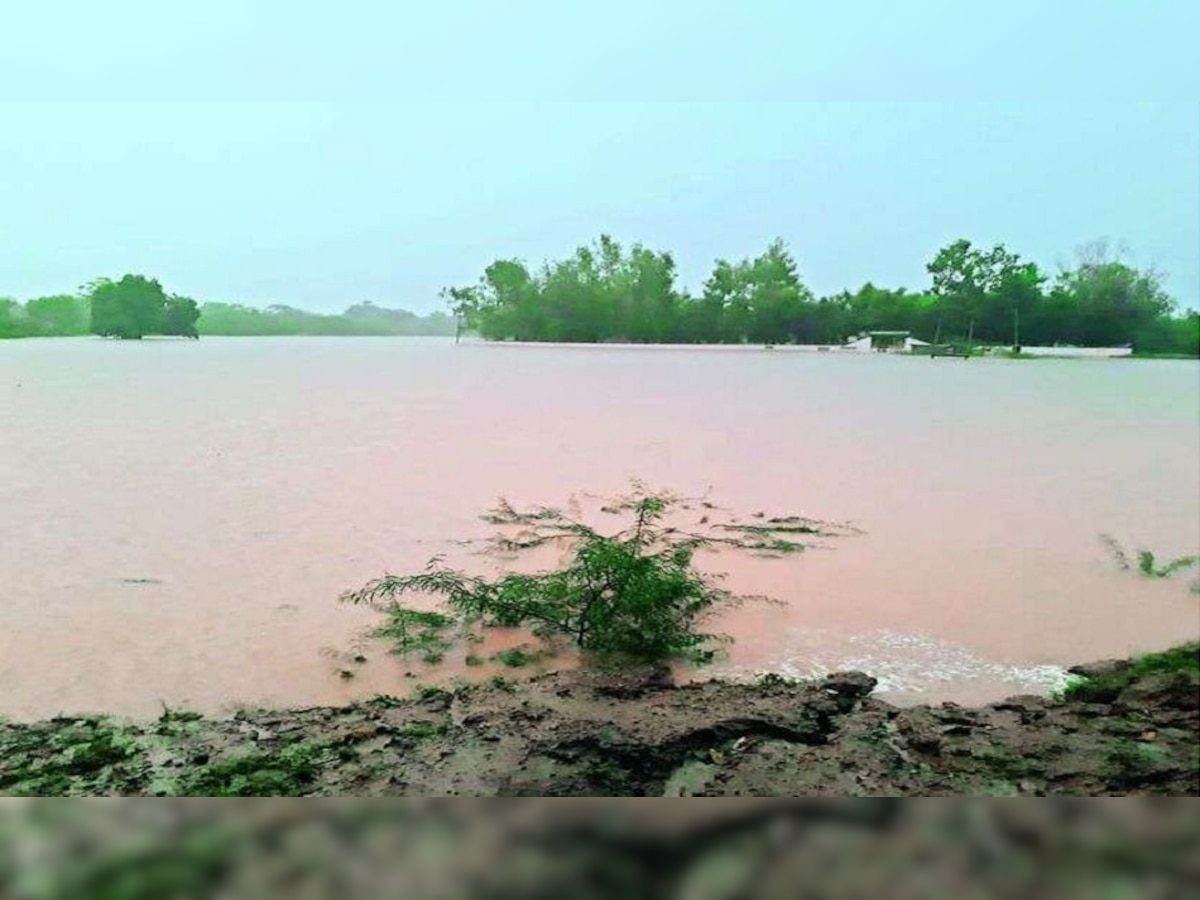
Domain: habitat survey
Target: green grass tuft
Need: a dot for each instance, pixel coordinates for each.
(518, 657)
(1184, 659)
(286, 773)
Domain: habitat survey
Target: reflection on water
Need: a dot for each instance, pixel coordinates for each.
(177, 519)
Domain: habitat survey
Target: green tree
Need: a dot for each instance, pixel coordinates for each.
(726, 301)
(873, 308)
(1020, 295)
(605, 292)
(62, 314)
(1176, 335)
(601, 292)
(130, 308)
(359, 319)
(830, 322)
(979, 291)
(574, 301)
(760, 299)
(777, 295)
(503, 305)
(14, 320)
(180, 316)
(647, 286)
(1111, 301)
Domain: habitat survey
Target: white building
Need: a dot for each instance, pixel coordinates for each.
(885, 342)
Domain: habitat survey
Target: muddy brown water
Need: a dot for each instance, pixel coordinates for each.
(177, 519)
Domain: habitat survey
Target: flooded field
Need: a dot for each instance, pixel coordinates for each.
(177, 519)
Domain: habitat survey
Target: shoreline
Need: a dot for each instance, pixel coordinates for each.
(1125, 727)
(989, 352)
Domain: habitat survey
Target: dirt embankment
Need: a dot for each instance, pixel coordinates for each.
(1126, 730)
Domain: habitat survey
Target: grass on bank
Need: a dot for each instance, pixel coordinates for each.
(283, 773)
(1181, 660)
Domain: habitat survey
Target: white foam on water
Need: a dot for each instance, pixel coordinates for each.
(905, 663)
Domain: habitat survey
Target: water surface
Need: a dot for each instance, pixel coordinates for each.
(176, 519)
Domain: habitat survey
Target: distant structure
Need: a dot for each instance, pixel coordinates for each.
(885, 342)
(1078, 352)
(904, 342)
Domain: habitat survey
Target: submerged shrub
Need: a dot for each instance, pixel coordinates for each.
(632, 594)
(1147, 563)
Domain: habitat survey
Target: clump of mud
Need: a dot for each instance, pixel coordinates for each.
(1120, 731)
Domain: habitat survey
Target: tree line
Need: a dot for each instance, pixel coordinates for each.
(361, 320)
(606, 292)
(135, 306)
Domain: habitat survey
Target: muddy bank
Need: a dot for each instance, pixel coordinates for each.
(1127, 728)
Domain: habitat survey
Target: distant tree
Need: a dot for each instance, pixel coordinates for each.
(14, 321)
(702, 319)
(962, 277)
(760, 299)
(231, 319)
(1175, 335)
(608, 292)
(130, 308)
(873, 308)
(777, 295)
(601, 292)
(726, 302)
(503, 305)
(180, 316)
(1109, 301)
(62, 314)
(1020, 295)
(1182, 336)
(463, 304)
(360, 319)
(372, 316)
(829, 321)
(979, 290)
(645, 282)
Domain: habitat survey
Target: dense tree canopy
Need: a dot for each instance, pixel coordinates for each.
(131, 308)
(64, 314)
(600, 293)
(180, 315)
(1105, 300)
(61, 314)
(607, 293)
(604, 292)
(982, 293)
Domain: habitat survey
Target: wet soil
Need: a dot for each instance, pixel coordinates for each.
(1123, 732)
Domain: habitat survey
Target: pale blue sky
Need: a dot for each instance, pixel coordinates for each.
(323, 154)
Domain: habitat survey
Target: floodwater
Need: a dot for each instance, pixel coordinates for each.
(177, 519)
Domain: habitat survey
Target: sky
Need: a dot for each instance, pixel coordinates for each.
(320, 154)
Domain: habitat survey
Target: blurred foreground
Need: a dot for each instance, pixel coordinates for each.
(582, 849)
